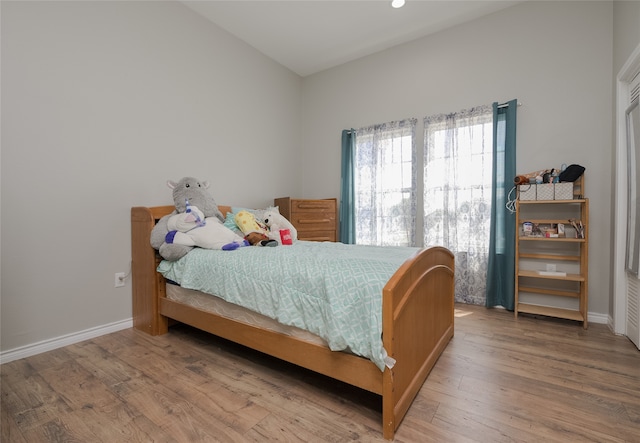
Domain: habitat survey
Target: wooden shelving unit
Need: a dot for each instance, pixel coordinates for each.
(569, 255)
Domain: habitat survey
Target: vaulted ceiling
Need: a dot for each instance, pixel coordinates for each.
(309, 36)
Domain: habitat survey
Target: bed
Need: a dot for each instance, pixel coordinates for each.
(417, 322)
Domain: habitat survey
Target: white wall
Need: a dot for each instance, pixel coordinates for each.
(554, 57)
(102, 102)
(626, 32)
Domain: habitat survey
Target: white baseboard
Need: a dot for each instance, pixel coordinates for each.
(594, 317)
(65, 340)
(76, 337)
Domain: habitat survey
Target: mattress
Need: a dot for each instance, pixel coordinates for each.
(218, 306)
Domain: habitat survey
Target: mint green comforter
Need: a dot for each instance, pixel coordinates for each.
(330, 289)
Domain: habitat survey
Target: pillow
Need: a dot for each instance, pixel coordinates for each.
(230, 221)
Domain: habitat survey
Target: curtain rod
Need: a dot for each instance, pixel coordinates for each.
(501, 105)
(504, 105)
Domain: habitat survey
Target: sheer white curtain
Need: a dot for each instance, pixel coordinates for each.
(385, 184)
(457, 193)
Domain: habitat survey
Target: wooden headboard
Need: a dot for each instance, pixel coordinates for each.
(147, 283)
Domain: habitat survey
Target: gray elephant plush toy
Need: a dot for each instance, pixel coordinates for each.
(196, 193)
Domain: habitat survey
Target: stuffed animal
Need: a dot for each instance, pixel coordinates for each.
(277, 222)
(196, 193)
(192, 228)
(255, 232)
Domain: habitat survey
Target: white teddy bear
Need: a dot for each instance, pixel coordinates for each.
(277, 222)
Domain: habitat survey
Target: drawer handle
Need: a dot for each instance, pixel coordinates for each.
(312, 206)
(317, 220)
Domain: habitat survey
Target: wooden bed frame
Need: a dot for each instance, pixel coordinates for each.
(417, 322)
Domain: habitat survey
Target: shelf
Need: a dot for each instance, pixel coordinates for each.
(551, 312)
(545, 221)
(569, 252)
(535, 274)
(551, 202)
(555, 257)
(554, 239)
(548, 291)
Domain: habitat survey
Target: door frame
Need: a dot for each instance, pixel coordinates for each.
(618, 273)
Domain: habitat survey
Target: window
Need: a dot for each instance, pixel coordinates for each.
(457, 178)
(455, 194)
(458, 166)
(385, 184)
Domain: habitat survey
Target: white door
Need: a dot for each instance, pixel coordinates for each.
(632, 260)
(626, 283)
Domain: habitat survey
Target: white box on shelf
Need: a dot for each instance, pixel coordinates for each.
(544, 191)
(563, 191)
(527, 192)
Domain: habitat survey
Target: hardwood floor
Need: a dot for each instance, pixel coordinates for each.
(499, 380)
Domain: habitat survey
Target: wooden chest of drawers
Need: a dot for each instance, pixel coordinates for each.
(315, 220)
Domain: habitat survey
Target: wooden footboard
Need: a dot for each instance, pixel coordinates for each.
(417, 322)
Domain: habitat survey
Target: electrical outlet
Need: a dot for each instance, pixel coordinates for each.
(120, 277)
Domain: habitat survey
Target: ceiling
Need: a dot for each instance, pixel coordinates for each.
(309, 36)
